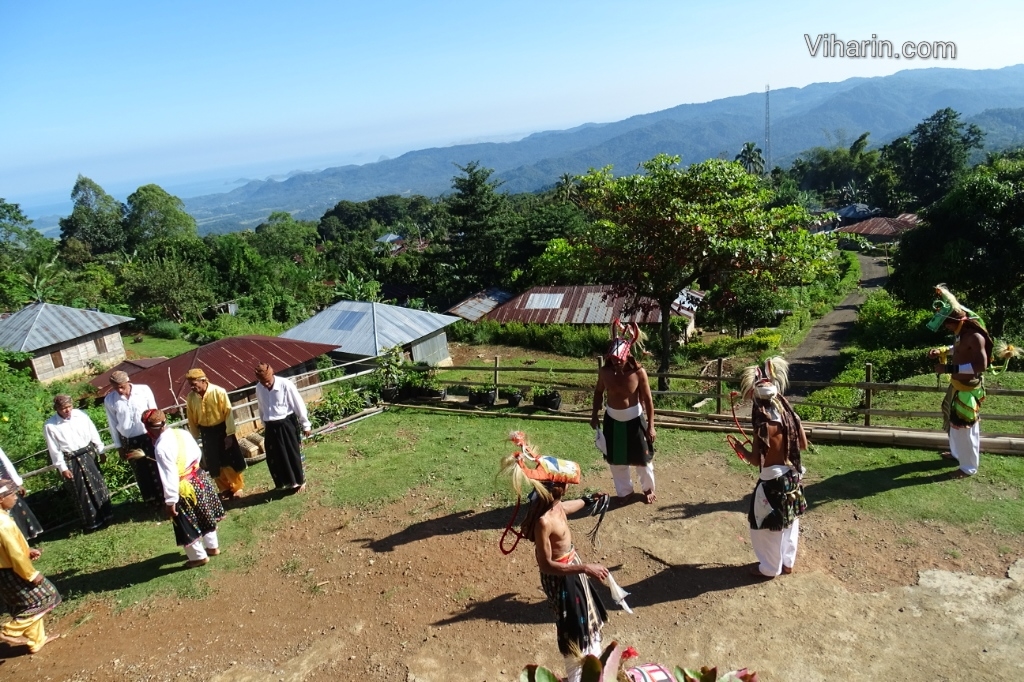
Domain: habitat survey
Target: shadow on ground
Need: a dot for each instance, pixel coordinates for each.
(72, 584)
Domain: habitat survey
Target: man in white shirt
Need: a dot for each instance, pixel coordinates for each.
(74, 444)
(189, 494)
(125, 405)
(283, 413)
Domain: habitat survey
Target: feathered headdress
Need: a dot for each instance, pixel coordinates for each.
(627, 339)
(1004, 351)
(946, 307)
(775, 370)
(527, 467)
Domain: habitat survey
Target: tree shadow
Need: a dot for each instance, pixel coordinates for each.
(508, 608)
(855, 485)
(72, 583)
(450, 524)
(685, 581)
(688, 510)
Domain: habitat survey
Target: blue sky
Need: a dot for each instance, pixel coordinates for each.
(195, 95)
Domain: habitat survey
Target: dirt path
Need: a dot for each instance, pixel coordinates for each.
(416, 593)
(816, 358)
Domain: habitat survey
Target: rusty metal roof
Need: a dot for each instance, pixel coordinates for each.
(129, 367)
(41, 325)
(479, 304)
(879, 227)
(581, 305)
(228, 363)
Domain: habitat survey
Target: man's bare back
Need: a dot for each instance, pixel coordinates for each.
(553, 541)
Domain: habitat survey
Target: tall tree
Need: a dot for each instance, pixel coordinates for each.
(482, 227)
(156, 218)
(667, 229)
(751, 159)
(97, 218)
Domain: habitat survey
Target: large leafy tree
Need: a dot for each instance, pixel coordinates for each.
(973, 240)
(155, 218)
(930, 159)
(96, 219)
(667, 229)
(481, 229)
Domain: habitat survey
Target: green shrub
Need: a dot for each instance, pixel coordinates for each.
(334, 405)
(165, 329)
(883, 323)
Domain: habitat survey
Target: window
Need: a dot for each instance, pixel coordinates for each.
(101, 345)
(57, 359)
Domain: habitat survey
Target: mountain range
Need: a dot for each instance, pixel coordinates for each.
(821, 114)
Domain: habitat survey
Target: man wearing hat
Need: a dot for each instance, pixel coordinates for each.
(190, 497)
(627, 436)
(965, 362)
(283, 413)
(210, 414)
(26, 593)
(74, 444)
(124, 405)
(564, 578)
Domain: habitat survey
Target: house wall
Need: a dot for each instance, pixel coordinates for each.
(102, 347)
(432, 349)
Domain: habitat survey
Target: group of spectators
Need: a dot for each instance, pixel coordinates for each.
(172, 472)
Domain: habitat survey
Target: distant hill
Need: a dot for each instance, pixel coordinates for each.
(819, 114)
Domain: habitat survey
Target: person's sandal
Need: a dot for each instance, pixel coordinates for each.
(196, 563)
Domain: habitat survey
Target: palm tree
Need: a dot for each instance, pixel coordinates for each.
(750, 158)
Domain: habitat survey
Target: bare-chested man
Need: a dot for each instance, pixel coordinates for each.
(628, 432)
(579, 612)
(778, 499)
(964, 362)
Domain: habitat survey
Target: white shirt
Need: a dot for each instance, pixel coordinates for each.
(67, 435)
(166, 449)
(280, 401)
(124, 415)
(9, 468)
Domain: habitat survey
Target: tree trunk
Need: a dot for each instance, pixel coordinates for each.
(666, 342)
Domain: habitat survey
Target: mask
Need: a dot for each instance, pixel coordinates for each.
(766, 392)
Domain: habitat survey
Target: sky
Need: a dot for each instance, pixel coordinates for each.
(195, 96)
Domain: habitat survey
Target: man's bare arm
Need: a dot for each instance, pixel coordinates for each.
(547, 564)
(647, 400)
(598, 400)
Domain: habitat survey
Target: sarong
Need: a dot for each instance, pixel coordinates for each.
(579, 612)
(88, 489)
(25, 520)
(777, 502)
(25, 600)
(215, 455)
(284, 453)
(147, 475)
(962, 404)
(627, 440)
(196, 519)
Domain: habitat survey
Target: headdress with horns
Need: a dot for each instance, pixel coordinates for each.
(627, 340)
(774, 372)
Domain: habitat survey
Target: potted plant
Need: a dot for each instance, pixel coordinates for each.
(513, 395)
(429, 386)
(546, 397)
(488, 394)
(390, 375)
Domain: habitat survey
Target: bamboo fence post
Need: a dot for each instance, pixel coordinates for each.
(496, 358)
(718, 389)
(867, 395)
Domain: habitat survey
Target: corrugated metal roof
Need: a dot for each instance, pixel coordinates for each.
(879, 227)
(41, 325)
(229, 363)
(581, 305)
(129, 367)
(365, 329)
(480, 303)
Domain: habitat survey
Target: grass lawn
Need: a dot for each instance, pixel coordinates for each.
(153, 347)
(931, 402)
(454, 459)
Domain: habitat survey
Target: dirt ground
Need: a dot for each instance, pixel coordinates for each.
(412, 593)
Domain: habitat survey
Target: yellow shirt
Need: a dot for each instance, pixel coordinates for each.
(14, 549)
(209, 409)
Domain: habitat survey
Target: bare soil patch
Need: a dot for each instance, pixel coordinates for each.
(415, 592)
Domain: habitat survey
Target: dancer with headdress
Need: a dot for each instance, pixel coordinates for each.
(26, 593)
(190, 496)
(778, 499)
(627, 437)
(211, 415)
(565, 579)
(74, 445)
